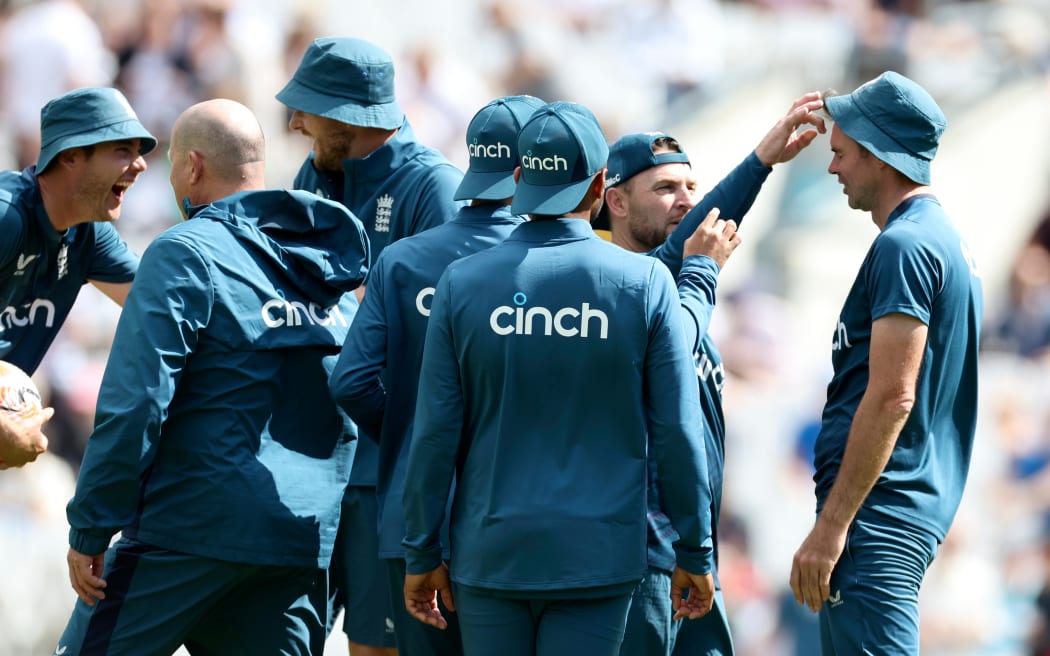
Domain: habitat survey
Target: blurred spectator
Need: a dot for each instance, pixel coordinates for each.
(47, 48)
(1023, 325)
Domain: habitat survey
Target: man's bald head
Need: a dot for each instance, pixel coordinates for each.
(217, 149)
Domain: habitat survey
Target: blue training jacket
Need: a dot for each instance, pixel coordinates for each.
(215, 434)
(733, 195)
(402, 188)
(377, 376)
(551, 467)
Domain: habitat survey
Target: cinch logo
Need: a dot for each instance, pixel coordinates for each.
(423, 299)
(706, 369)
(841, 340)
(553, 163)
(10, 318)
(484, 151)
(278, 312)
(506, 320)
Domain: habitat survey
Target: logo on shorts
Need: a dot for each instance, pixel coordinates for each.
(61, 650)
(835, 599)
(389, 625)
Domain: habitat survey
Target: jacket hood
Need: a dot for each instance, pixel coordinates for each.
(321, 244)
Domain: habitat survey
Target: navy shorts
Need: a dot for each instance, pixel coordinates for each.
(357, 577)
(650, 629)
(157, 600)
(874, 604)
(492, 623)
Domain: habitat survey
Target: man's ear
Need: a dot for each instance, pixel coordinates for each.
(517, 174)
(616, 201)
(197, 166)
(69, 156)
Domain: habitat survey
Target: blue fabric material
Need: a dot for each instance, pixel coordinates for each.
(215, 434)
(401, 189)
(918, 265)
(502, 355)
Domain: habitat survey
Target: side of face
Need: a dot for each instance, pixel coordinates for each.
(102, 176)
(656, 200)
(179, 175)
(334, 140)
(855, 169)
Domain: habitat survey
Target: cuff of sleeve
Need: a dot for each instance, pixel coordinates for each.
(696, 561)
(89, 544)
(421, 562)
(700, 264)
(755, 163)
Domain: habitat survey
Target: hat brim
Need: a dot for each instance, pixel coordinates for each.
(129, 129)
(549, 200)
(857, 126)
(490, 185)
(386, 116)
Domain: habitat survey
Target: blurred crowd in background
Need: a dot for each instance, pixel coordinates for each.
(714, 73)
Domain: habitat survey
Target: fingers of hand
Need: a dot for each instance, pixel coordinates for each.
(712, 217)
(446, 598)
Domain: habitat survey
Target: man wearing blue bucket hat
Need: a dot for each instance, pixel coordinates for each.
(897, 431)
(365, 156)
(55, 218)
(547, 532)
(377, 376)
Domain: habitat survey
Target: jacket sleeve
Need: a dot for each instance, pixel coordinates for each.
(169, 303)
(733, 196)
(356, 383)
(435, 440)
(675, 428)
(436, 204)
(697, 282)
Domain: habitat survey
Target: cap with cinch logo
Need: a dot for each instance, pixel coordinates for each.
(492, 142)
(895, 119)
(85, 117)
(561, 148)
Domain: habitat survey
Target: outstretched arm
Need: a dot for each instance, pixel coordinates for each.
(736, 193)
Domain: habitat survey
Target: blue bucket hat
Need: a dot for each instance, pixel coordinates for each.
(633, 153)
(347, 80)
(85, 117)
(492, 141)
(895, 119)
(561, 148)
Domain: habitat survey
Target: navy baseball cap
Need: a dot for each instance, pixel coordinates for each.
(492, 141)
(347, 80)
(895, 119)
(561, 148)
(85, 117)
(633, 153)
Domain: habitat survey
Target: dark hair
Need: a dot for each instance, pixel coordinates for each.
(666, 143)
